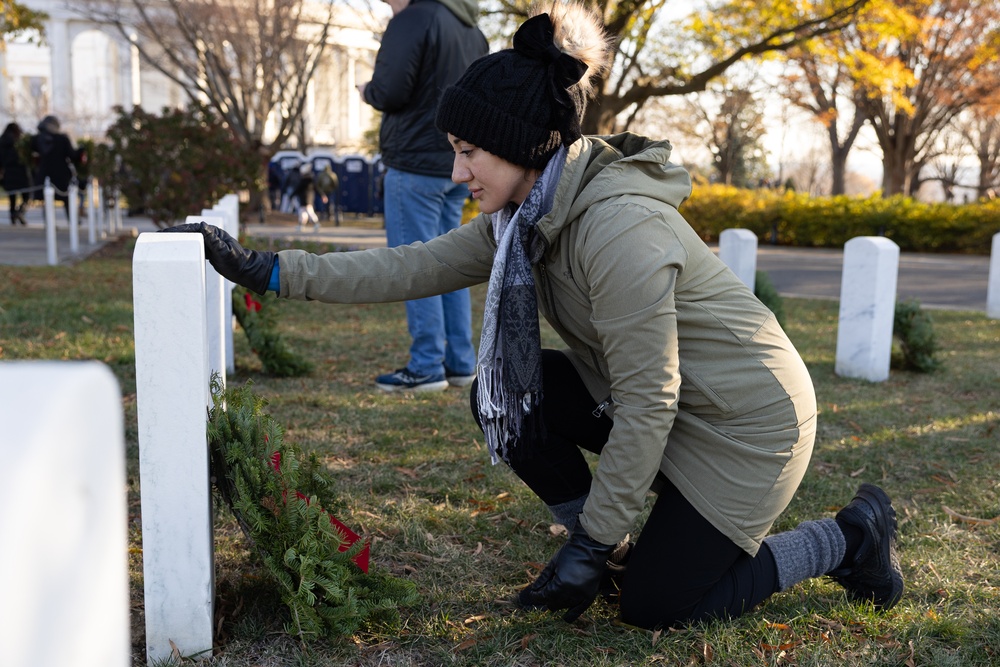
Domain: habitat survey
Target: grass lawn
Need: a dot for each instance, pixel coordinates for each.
(415, 479)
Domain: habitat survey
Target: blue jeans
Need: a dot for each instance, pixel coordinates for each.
(419, 208)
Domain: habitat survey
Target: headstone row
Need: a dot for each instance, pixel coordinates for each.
(867, 297)
(183, 336)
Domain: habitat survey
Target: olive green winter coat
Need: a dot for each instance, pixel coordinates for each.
(705, 386)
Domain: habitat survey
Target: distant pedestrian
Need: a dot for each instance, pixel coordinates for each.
(328, 189)
(16, 180)
(57, 158)
(302, 198)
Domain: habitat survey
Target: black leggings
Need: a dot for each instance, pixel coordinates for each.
(682, 569)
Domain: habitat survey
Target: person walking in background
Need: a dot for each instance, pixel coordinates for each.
(16, 179)
(673, 374)
(302, 198)
(328, 188)
(426, 47)
(57, 158)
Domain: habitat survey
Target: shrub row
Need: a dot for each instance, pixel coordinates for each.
(790, 218)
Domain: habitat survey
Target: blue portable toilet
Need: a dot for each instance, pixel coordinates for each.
(286, 162)
(355, 184)
(378, 182)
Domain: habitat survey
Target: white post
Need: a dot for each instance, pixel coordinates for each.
(867, 308)
(63, 516)
(172, 393)
(217, 295)
(116, 213)
(993, 286)
(102, 207)
(91, 212)
(49, 197)
(73, 202)
(738, 250)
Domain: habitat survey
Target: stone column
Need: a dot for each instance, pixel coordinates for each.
(62, 69)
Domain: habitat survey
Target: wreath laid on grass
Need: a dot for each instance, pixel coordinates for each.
(915, 345)
(261, 329)
(281, 500)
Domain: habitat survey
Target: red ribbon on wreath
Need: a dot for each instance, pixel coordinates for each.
(252, 303)
(348, 535)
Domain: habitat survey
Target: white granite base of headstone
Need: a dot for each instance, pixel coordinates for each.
(63, 516)
(867, 308)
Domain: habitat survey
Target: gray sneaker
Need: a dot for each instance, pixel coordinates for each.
(875, 575)
(458, 379)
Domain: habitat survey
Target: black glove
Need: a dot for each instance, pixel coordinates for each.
(571, 579)
(249, 268)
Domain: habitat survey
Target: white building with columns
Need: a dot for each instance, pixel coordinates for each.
(83, 69)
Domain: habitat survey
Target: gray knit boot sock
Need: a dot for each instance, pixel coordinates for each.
(566, 513)
(811, 550)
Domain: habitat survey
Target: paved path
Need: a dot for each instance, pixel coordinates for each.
(955, 282)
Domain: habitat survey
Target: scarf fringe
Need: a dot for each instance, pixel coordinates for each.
(508, 421)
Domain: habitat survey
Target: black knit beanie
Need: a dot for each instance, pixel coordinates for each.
(520, 104)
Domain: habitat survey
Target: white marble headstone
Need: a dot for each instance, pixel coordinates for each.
(229, 207)
(172, 397)
(218, 292)
(867, 308)
(63, 516)
(738, 250)
(993, 285)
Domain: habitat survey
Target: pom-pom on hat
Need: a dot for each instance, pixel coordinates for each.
(522, 103)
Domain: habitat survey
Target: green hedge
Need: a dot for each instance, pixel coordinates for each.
(791, 218)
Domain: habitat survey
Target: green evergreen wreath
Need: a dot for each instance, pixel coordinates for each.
(914, 342)
(259, 324)
(280, 498)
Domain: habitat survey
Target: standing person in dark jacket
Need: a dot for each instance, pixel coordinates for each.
(57, 158)
(426, 47)
(15, 174)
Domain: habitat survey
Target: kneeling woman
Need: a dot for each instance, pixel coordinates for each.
(674, 374)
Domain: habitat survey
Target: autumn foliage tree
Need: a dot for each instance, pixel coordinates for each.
(927, 62)
(656, 56)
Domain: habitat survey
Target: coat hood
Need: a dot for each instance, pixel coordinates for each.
(609, 167)
(467, 11)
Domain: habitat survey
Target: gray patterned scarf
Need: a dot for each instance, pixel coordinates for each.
(510, 349)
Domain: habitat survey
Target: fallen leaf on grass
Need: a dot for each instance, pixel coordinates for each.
(477, 617)
(656, 635)
(466, 645)
(860, 471)
(963, 518)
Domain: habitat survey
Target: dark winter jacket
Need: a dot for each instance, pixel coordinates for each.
(425, 48)
(56, 155)
(15, 174)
